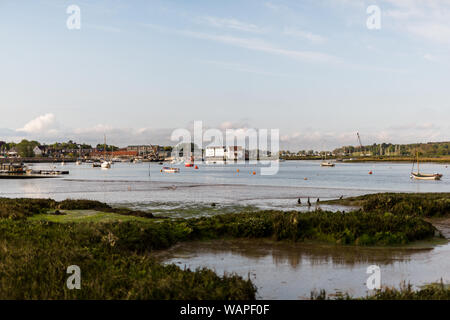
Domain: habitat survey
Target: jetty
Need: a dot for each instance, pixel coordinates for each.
(20, 171)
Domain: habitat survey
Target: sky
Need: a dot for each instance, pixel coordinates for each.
(137, 70)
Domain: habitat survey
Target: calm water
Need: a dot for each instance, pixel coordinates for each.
(137, 185)
(280, 271)
(293, 270)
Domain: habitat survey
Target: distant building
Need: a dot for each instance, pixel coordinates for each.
(121, 153)
(12, 153)
(235, 153)
(215, 154)
(37, 151)
(146, 150)
(222, 154)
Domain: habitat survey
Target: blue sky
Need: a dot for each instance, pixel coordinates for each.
(138, 69)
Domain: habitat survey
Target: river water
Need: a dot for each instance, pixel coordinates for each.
(280, 270)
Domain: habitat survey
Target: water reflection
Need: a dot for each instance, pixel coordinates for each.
(283, 270)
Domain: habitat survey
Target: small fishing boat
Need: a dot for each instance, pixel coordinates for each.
(424, 176)
(96, 164)
(170, 170)
(327, 164)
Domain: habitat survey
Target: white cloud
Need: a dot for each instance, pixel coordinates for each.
(230, 23)
(432, 31)
(423, 19)
(244, 68)
(252, 44)
(401, 134)
(263, 46)
(42, 124)
(314, 38)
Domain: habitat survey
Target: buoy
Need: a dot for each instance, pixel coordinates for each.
(305, 178)
(370, 172)
(160, 170)
(237, 170)
(254, 172)
(196, 167)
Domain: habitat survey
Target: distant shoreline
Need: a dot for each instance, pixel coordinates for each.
(374, 159)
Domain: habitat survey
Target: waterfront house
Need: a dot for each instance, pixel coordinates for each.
(234, 153)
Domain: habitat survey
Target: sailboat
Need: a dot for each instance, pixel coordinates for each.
(105, 164)
(326, 163)
(78, 162)
(424, 176)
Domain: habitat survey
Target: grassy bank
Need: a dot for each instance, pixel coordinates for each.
(34, 257)
(417, 204)
(40, 238)
(435, 291)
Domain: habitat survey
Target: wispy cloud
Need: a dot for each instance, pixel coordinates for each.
(314, 38)
(255, 44)
(423, 19)
(275, 6)
(244, 68)
(103, 28)
(230, 23)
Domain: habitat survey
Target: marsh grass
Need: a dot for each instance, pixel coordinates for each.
(418, 204)
(34, 257)
(113, 247)
(433, 291)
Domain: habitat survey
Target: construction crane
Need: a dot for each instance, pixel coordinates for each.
(360, 144)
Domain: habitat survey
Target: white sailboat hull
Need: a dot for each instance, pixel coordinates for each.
(422, 176)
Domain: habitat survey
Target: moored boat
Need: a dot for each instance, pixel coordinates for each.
(170, 170)
(327, 164)
(424, 176)
(106, 165)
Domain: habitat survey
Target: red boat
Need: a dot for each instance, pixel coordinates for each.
(189, 163)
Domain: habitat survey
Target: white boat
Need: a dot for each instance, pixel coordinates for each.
(327, 164)
(63, 163)
(424, 176)
(106, 165)
(78, 162)
(170, 170)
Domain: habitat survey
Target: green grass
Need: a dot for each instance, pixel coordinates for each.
(34, 256)
(433, 291)
(69, 216)
(418, 204)
(113, 247)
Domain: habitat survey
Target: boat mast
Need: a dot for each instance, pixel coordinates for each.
(104, 147)
(417, 162)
